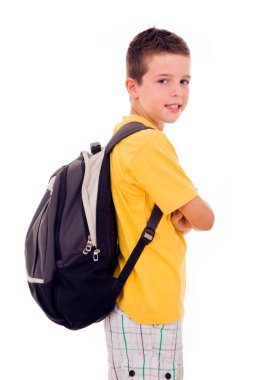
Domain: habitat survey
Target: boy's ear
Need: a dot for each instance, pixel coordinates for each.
(132, 88)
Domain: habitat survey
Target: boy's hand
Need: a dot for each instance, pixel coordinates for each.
(180, 223)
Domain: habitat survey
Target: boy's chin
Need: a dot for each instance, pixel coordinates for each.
(171, 120)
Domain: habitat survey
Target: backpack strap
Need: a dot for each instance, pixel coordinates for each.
(125, 131)
(146, 237)
(149, 231)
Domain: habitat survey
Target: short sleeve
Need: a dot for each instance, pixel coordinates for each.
(156, 168)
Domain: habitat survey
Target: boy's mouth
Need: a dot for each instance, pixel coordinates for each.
(173, 107)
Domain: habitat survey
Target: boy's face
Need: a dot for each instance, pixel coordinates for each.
(165, 83)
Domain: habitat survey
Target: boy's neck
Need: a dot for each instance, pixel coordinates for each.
(135, 111)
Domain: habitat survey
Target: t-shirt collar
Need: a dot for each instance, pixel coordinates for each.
(141, 119)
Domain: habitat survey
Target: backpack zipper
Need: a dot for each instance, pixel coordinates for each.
(95, 254)
(88, 249)
(89, 244)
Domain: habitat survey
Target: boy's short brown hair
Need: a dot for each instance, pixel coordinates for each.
(149, 42)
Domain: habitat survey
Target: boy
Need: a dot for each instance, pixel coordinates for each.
(144, 331)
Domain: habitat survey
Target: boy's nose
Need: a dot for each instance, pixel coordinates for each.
(176, 89)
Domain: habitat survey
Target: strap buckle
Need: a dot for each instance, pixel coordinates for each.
(147, 235)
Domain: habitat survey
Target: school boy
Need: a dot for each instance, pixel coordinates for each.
(144, 331)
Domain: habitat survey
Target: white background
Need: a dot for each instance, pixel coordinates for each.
(62, 72)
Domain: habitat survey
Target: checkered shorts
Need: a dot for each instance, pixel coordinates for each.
(143, 352)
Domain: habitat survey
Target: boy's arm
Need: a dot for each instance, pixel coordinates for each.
(198, 213)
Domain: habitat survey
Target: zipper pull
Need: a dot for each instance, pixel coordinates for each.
(88, 247)
(95, 254)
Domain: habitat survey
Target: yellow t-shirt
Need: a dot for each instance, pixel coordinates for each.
(144, 171)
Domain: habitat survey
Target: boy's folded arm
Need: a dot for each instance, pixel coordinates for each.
(198, 213)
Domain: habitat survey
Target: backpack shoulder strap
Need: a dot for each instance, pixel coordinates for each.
(155, 217)
(127, 130)
(146, 237)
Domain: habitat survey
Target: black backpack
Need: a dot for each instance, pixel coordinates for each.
(71, 246)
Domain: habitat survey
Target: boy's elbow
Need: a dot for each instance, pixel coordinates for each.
(199, 214)
(212, 221)
(205, 223)
(209, 223)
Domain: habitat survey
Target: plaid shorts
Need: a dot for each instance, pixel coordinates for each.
(142, 352)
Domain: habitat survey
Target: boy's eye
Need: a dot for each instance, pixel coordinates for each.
(163, 81)
(185, 81)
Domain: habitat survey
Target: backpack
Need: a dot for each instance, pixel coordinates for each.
(71, 246)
